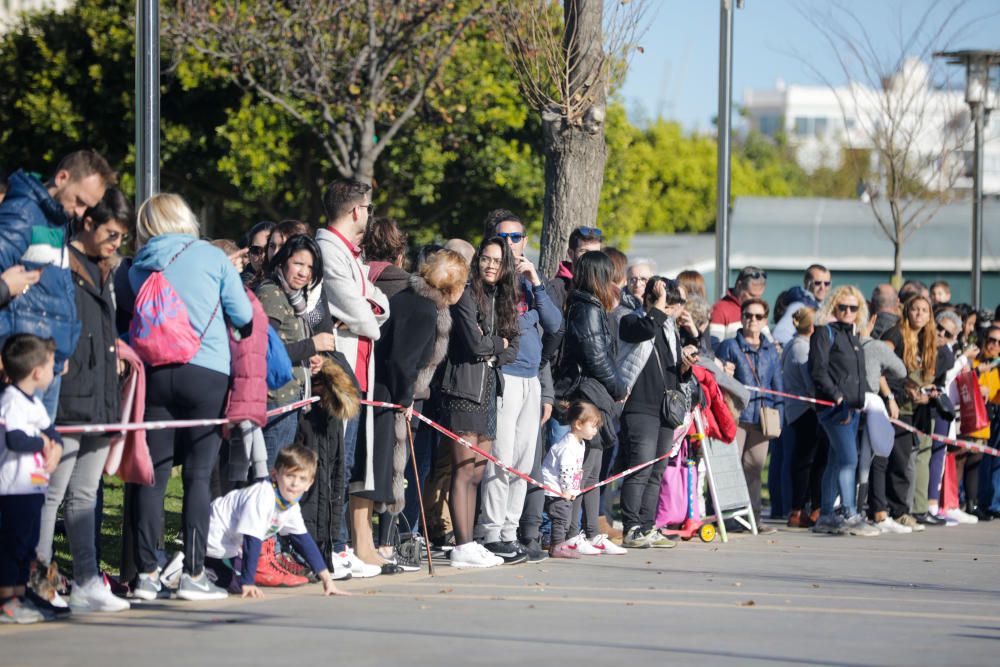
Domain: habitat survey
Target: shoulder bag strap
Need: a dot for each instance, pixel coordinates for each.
(753, 370)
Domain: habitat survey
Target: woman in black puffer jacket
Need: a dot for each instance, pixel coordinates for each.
(587, 369)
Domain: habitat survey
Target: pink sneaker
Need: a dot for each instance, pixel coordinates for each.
(564, 550)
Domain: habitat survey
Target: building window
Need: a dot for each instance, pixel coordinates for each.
(770, 125)
(803, 126)
(820, 127)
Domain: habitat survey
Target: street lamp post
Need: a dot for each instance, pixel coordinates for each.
(982, 95)
(147, 100)
(724, 125)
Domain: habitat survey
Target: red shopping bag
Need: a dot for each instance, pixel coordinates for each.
(971, 404)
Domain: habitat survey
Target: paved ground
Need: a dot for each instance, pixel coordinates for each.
(787, 598)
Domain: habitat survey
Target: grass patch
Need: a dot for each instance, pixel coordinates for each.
(111, 527)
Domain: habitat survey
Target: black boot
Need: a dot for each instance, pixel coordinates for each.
(974, 509)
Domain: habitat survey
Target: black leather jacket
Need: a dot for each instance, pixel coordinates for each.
(588, 348)
(837, 364)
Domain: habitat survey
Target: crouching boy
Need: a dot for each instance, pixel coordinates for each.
(243, 519)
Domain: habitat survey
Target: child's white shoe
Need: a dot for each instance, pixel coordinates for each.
(603, 544)
(95, 595)
(583, 547)
(359, 568)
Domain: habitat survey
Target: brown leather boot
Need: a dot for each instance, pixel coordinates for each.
(795, 519)
(606, 527)
(813, 518)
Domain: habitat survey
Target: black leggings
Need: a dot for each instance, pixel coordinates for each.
(180, 392)
(810, 449)
(889, 482)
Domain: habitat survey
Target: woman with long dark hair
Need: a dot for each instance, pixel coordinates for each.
(294, 272)
(587, 372)
(484, 338)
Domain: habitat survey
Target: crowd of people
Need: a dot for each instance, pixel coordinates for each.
(600, 369)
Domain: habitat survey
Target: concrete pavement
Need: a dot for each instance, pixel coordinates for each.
(787, 598)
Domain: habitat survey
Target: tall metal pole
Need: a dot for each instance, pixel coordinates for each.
(977, 209)
(147, 99)
(725, 132)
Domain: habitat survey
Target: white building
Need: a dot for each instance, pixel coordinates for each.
(11, 10)
(820, 122)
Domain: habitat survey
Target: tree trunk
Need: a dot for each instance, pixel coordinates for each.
(897, 244)
(574, 174)
(575, 151)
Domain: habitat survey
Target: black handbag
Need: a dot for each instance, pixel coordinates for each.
(675, 404)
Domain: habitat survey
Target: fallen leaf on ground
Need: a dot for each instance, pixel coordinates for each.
(748, 603)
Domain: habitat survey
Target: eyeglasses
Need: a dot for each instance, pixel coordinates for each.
(821, 283)
(258, 250)
(847, 308)
(590, 232)
(753, 275)
(754, 316)
(114, 236)
(513, 237)
(993, 341)
(490, 261)
(947, 335)
(638, 279)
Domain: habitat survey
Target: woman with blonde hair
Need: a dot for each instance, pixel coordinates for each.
(837, 367)
(210, 289)
(893, 478)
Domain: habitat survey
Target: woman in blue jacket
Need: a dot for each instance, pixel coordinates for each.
(211, 289)
(757, 365)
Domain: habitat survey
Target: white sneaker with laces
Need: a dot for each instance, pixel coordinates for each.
(889, 525)
(583, 547)
(606, 546)
(958, 515)
(95, 595)
(472, 554)
(359, 568)
(341, 567)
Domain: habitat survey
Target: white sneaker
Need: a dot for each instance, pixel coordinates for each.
(472, 554)
(606, 546)
(95, 595)
(57, 601)
(170, 577)
(583, 547)
(359, 568)
(858, 525)
(960, 516)
(889, 525)
(341, 567)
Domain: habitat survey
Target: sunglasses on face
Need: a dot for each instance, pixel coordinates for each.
(513, 237)
(754, 275)
(847, 308)
(821, 283)
(947, 335)
(760, 317)
(993, 341)
(590, 232)
(257, 250)
(114, 236)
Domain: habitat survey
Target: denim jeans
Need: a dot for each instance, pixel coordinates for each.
(350, 445)
(50, 397)
(278, 433)
(779, 473)
(842, 461)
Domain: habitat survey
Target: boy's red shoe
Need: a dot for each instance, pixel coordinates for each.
(269, 570)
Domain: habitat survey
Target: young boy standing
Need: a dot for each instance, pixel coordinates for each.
(28, 454)
(243, 519)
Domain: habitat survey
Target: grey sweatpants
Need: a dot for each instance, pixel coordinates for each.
(502, 494)
(76, 479)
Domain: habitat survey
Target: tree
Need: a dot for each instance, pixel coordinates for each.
(352, 73)
(914, 134)
(565, 62)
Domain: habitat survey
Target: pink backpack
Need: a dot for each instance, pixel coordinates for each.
(160, 331)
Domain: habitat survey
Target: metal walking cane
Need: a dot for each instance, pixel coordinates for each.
(420, 496)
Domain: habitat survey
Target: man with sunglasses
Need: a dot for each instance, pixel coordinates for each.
(815, 286)
(525, 405)
(726, 317)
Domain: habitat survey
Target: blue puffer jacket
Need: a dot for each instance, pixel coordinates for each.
(33, 231)
(766, 365)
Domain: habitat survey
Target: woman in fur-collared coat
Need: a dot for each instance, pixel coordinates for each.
(412, 343)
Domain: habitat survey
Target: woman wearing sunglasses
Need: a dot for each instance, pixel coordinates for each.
(756, 364)
(837, 366)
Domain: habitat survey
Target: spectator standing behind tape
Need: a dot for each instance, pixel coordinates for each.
(815, 286)
(653, 360)
(89, 395)
(211, 290)
(837, 367)
(484, 337)
(726, 313)
(894, 478)
(587, 371)
(756, 365)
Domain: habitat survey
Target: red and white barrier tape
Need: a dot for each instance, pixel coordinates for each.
(965, 444)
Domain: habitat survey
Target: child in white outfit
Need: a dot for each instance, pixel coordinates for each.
(29, 453)
(562, 469)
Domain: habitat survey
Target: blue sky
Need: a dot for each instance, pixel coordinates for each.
(677, 75)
